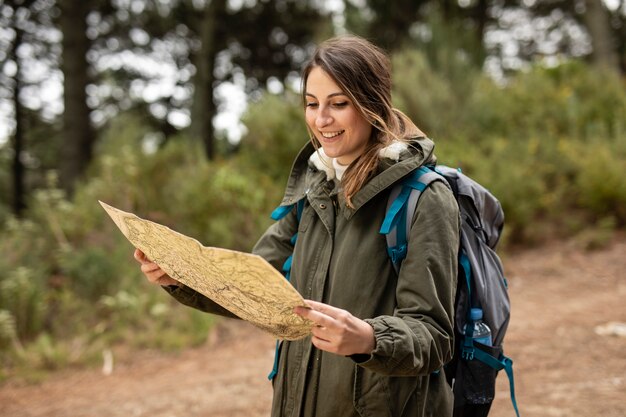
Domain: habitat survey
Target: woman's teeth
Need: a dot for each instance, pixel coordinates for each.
(329, 135)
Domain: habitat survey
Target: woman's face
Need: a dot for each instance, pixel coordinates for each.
(334, 120)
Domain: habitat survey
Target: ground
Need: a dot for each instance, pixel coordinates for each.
(559, 293)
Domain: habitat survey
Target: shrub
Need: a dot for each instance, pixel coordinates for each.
(22, 295)
(276, 132)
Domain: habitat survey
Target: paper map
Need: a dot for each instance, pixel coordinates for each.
(243, 283)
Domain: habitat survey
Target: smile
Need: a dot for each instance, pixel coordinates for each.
(330, 135)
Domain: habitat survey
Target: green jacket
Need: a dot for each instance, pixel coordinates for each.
(341, 259)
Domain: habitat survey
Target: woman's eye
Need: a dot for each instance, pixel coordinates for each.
(311, 104)
(341, 104)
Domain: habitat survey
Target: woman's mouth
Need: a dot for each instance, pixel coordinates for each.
(331, 135)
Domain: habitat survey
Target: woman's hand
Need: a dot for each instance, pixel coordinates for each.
(337, 331)
(152, 271)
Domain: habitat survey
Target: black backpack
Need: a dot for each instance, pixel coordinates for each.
(481, 284)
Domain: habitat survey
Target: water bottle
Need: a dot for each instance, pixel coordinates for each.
(482, 333)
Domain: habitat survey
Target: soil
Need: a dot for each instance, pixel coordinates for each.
(560, 294)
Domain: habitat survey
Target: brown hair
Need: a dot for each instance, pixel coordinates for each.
(363, 72)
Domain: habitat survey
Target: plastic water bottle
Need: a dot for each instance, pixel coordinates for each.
(482, 333)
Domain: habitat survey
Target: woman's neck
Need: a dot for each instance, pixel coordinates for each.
(339, 169)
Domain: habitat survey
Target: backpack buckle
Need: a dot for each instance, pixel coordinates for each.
(397, 253)
(467, 353)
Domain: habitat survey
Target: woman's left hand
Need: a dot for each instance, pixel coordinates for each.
(337, 331)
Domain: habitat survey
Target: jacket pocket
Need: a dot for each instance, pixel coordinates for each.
(377, 395)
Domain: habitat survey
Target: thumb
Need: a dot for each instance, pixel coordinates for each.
(140, 256)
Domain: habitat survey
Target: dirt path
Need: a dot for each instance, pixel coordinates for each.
(563, 368)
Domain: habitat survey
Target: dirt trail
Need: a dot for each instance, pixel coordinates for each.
(562, 367)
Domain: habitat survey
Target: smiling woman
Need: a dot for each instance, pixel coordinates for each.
(334, 120)
(379, 337)
(355, 75)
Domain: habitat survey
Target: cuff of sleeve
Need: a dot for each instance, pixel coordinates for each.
(383, 350)
(179, 291)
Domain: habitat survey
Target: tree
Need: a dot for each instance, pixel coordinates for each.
(18, 134)
(208, 42)
(387, 24)
(513, 32)
(267, 39)
(597, 20)
(604, 28)
(26, 44)
(79, 136)
(203, 107)
(443, 28)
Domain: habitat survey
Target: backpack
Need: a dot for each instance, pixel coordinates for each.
(481, 283)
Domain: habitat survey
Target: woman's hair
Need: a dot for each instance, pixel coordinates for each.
(363, 72)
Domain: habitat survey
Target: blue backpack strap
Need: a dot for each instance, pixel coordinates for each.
(498, 364)
(277, 214)
(400, 210)
(468, 349)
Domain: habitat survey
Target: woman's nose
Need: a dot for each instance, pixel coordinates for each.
(323, 119)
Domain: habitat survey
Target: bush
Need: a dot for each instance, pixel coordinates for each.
(276, 132)
(550, 144)
(22, 295)
(600, 180)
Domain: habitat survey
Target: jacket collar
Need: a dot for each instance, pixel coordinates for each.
(396, 161)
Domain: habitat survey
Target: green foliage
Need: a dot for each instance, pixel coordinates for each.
(79, 265)
(21, 292)
(91, 272)
(277, 132)
(8, 329)
(429, 99)
(600, 181)
(5, 181)
(571, 100)
(550, 144)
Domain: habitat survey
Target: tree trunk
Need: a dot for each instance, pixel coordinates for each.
(17, 168)
(481, 17)
(203, 108)
(598, 24)
(77, 147)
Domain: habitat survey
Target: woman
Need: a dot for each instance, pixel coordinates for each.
(380, 338)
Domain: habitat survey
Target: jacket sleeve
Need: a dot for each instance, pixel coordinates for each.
(192, 298)
(418, 339)
(274, 246)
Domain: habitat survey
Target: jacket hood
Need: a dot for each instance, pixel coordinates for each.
(396, 161)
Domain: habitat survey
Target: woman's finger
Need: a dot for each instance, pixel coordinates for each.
(167, 280)
(140, 256)
(155, 276)
(320, 319)
(149, 267)
(326, 309)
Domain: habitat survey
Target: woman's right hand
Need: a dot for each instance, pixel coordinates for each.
(152, 271)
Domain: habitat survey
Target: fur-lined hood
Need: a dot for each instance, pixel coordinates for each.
(313, 168)
(324, 163)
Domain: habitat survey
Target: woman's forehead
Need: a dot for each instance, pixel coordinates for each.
(321, 85)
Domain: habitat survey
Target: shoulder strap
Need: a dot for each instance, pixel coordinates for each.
(400, 210)
(279, 213)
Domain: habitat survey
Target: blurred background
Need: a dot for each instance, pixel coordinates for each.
(187, 112)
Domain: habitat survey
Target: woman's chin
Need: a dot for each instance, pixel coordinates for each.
(330, 150)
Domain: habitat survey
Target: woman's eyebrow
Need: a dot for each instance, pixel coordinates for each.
(329, 96)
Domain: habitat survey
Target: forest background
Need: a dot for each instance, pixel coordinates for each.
(136, 103)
